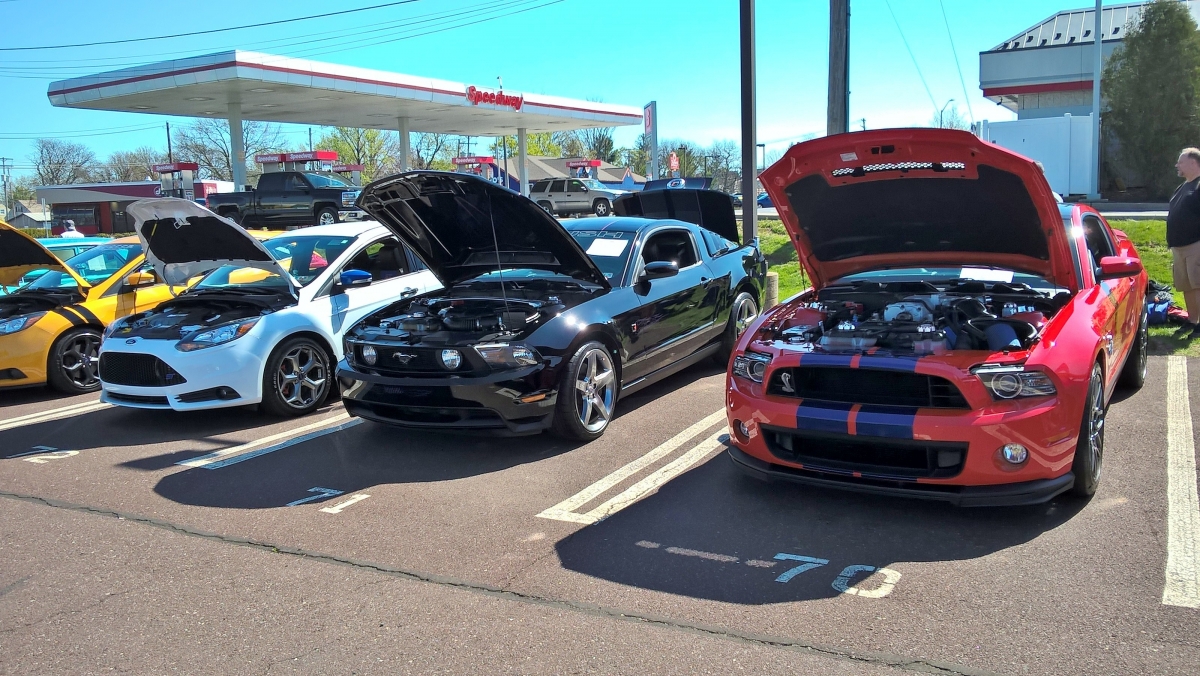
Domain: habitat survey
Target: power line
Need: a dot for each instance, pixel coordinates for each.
(911, 55)
(212, 30)
(963, 82)
(76, 135)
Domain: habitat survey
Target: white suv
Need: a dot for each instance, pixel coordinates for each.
(568, 196)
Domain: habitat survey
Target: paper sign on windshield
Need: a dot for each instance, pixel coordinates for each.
(607, 247)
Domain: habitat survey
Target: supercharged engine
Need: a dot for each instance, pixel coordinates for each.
(921, 318)
(451, 319)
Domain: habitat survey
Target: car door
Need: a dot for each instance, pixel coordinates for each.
(671, 318)
(577, 196)
(558, 195)
(269, 199)
(1120, 319)
(295, 202)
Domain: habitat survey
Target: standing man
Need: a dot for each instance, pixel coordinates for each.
(1183, 238)
(69, 229)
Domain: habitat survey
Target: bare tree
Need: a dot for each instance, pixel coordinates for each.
(598, 143)
(130, 165)
(59, 162)
(206, 142)
(724, 165)
(429, 150)
(951, 118)
(570, 143)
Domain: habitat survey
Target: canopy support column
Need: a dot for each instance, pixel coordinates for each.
(405, 148)
(522, 151)
(237, 147)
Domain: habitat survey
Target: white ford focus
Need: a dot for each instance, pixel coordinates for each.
(264, 324)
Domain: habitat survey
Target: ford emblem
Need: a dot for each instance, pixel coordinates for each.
(131, 341)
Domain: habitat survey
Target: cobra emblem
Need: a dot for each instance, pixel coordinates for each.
(788, 386)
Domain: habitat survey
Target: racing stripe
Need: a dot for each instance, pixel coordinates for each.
(842, 360)
(895, 422)
(888, 363)
(826, 416)
(69, 316)
(87, 314)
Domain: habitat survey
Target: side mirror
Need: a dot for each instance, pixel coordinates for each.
(139, 279)
(353, 279)
(658, 270)
(1116, 267)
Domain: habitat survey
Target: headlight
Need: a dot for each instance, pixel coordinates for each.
(503, 355)
(21, 323)
(217, 336)
(1014, 382)
(751, 365)
(451, 359)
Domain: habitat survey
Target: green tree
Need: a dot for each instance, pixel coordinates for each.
(375, 149)
(540, 145)
(1152, 84)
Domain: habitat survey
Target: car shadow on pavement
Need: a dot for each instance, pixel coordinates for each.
(350, 460)
(713, 533)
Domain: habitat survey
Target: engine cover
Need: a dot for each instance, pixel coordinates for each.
(908, 311)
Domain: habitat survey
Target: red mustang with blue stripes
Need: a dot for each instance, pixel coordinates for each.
(963, 334)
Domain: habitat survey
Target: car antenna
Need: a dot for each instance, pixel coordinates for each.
(499, 266)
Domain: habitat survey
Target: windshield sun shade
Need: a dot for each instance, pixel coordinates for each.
(991, 214)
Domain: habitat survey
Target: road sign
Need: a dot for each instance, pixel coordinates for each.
(673, 162)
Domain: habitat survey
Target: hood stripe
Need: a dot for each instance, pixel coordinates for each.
(87, 314)
(66, 314)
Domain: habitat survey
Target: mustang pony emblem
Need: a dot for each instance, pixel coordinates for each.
(403, 358)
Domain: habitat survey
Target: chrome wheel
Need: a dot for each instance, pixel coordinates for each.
(1095, 428)
(595, 389)
(81, 360)
(747, 312)
(326, 218)
(602, 207)
(303, 377)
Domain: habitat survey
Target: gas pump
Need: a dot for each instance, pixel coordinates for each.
(482, 166)
(350, 171)
(323, 159)
(177, 179)
(583, 168)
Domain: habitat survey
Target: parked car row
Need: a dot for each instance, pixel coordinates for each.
(961, 341)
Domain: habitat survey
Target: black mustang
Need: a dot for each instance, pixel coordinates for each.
(539, 325)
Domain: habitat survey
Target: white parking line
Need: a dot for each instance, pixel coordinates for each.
(566, 510)
(243, 452)
(337, 509)
(1183, 506)
(52, 414)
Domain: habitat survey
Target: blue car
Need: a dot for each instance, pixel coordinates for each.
(764, 201)
(63, 248)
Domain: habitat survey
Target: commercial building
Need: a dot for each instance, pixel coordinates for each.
(99, 208)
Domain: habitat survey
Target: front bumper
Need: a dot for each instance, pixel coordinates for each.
(236, 366)
(23, 355)
(489, 403)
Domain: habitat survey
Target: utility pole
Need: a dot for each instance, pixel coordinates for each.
(749, 132)
(4, 178)
(838, 119)
(310, 139)
(1097, 65)
(863, 121)
(170, 158)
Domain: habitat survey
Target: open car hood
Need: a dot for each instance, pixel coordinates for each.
(183, 239)
(917, 197)
(709, 209)
(462, 226)
(21, 254)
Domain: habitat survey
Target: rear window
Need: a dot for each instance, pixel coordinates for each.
(540, 186)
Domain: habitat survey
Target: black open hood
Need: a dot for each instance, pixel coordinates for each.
(462, 226)
(709, 209)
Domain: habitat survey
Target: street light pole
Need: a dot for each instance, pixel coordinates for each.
(749, 133)
(940, 123)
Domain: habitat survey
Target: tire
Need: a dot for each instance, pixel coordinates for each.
(741, 314)
(1133, 375)
(1089, 452)
(327, 216)
(235, 216)
(602, 207)
(297, 378)
(587, 394)
(74, 363)
(547, 206)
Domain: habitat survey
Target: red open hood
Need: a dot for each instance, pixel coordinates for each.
(910, 197)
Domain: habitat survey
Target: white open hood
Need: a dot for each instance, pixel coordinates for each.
(183, 239)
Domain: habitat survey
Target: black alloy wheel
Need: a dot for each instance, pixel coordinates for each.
(742, 314)
(1089, 451)
(1133, 375)
(74, 364)
(587, 394)
(602, 207)
(297, 379)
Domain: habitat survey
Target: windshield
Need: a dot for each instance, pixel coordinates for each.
(328, 181)
(305, 257)
(940, 276)
(94, 265)
(608, 249)
(594, 184)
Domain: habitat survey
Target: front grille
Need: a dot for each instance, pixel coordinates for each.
(411, 361)
(868, 457)
(427, 416)
(138, 370)
(138, 399)
(867, 386)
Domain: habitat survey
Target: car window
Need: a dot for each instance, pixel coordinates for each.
(608, 249)
(304, 256)
(540, 186)
(1098, 243)
(295, 183)
(575, 186)
(328, 181)
(670, 245)
(558, 186)
(383, 259)
(717, 244)
(270, 181)
(94, 266)
(594, 184)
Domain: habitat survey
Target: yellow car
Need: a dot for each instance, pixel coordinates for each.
(51, 328)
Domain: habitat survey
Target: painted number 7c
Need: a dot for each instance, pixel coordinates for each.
(808, 563)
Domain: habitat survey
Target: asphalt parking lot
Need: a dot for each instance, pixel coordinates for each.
(229, 542)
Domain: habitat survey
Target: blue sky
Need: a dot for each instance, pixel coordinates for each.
(682, 54)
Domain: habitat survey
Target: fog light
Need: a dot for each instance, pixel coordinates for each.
(451, 359)
(368, 355)
(741, 431)
(1014, 453)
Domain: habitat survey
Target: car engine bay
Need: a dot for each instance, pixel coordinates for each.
(919, 317)
(199, 310)
(28, 301)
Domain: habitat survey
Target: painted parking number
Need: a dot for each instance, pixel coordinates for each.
(41, 455)
(842, 583)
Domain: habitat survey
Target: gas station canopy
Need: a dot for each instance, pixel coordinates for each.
(238, 85)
